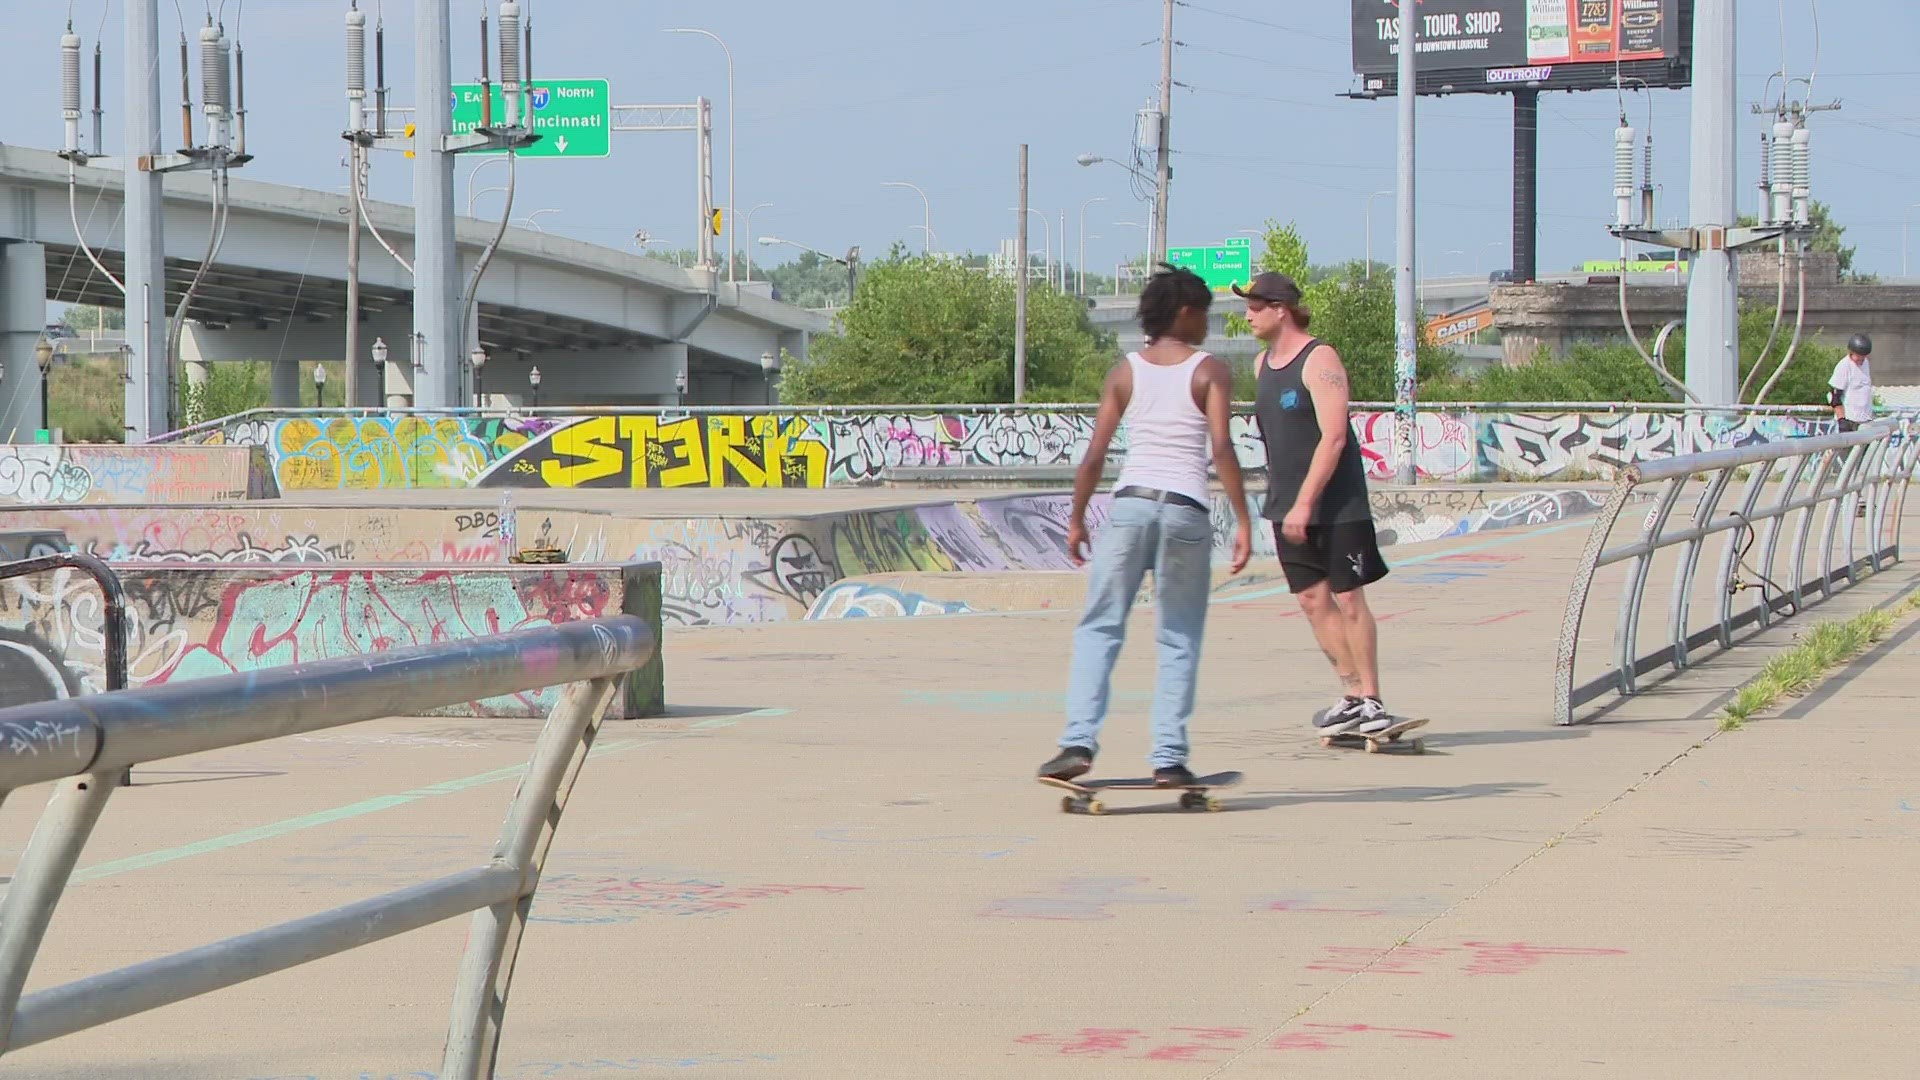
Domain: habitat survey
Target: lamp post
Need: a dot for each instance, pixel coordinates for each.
(43, 355)
(749, 219)
(849, 260)
(680, 386)
(770, 366)
(380, 352)
(478, 358)
(733, 247)
(1154, 253)
(319, 386)
(926, 210)
(533, 380)
(1080, 276)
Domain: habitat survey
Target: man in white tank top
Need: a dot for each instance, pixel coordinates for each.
(1176, 401)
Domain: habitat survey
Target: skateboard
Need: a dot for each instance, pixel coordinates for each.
(1379, 740)
(1086, 797)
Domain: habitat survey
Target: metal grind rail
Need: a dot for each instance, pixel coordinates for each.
(82, 744)
(1859, 479)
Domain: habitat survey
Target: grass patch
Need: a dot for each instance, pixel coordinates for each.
(1800, 668)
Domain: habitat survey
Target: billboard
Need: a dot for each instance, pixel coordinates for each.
(1495, 46)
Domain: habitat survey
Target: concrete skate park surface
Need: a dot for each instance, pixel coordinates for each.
(830, 860)
(739, 556)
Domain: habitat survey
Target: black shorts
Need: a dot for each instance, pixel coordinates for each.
(1346, 556)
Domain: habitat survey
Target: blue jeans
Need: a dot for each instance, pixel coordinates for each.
(1177, 543)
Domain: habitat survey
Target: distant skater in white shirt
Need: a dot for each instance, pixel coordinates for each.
(1852, 385)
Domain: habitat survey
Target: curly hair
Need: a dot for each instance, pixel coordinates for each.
(1167, 292)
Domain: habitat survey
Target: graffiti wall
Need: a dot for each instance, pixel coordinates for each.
(655, 449)
(272, 532)
(193, 621)
(69, 474)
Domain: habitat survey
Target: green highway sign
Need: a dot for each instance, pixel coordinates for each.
(572, 116)
(1220, 267)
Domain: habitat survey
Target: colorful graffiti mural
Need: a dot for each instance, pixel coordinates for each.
(195, 621)
(89, 474)
(667, 449)
(271, 531)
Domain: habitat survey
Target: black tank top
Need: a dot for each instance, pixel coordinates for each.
(1291, 430)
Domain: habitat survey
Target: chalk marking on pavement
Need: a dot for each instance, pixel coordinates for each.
(374, 805)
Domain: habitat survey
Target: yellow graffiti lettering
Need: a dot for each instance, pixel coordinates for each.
(801, 458)
(592, 441)
(733, 451)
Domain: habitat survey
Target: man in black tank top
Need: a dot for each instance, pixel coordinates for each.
(1317, 497)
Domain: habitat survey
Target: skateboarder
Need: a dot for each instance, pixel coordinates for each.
(1175, 400)
(1317, 497)
(1850, 390)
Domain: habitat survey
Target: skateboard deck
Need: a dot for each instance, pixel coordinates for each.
(1086, 793)
(1378, 741)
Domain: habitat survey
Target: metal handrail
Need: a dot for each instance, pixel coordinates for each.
(984, 408)
(79, 743)
(1875, 465)
(110, 591)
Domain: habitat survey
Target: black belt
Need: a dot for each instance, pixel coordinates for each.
(1156, 495)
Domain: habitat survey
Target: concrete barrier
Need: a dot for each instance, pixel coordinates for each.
(67, 474)
(788, 448)
(273, 531)
(193, 620)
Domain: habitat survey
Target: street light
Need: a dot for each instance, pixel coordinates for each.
(848, 261)
(1080, 284)
(478, 358)
(319, 386)
(380, 352)
(533, 380)
(680, 385)
(533, 223)
(733, 248)
(926, 208)
(1370, 199)
(43, 355)
(749, 217)
(1046, 237)
(769, 366)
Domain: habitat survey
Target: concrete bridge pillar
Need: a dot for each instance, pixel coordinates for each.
(23, 319)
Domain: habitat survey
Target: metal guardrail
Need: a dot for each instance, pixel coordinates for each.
(1856, 476)
(1087, 408)
(114, 625)
(82, 743)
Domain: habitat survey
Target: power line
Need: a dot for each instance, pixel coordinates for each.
(1260, 22)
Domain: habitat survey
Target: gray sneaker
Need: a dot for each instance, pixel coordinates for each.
(1371, 717)
(1338, 717)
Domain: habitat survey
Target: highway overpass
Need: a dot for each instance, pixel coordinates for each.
(604, 326)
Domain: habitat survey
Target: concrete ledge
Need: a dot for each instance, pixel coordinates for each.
(65, 474)
(193, 620)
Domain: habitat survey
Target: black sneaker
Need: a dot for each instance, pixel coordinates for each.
(1070, 762)
(1172, 776)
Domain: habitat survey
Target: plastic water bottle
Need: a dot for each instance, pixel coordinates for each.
(508, 545)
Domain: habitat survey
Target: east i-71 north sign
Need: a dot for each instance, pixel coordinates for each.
(572, 116)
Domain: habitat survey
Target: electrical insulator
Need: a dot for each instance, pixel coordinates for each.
(1782, 172)
(510, 60)
(1623, 176)
(70, 87)
(1802, 176)
(1646, 183)
(224, 71)
(356, 69)
(1766, 180)
(210, 100)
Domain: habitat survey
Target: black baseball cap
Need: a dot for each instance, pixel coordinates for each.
(1273, 287)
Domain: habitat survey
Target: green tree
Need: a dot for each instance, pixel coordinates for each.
(1827, 235)
(89, 317)
(1351, 313)
(927, 331)
(232, 388)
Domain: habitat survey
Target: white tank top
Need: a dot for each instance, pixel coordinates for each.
(1167, 442)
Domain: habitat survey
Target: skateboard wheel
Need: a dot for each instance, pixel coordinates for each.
(1419, 746)
(1326, 740)
(1192, 800)
(1373, 746)
(1212, 804)
(1066, 804)
(1096, 807)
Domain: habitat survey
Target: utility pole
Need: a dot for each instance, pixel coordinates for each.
(354, 153)
(437, 325)
(1713, 324)
(146, 280)
(1163, 173)
(1405, 309)
(1020, 290)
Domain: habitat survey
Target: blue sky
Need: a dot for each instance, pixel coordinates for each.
(836, 98)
